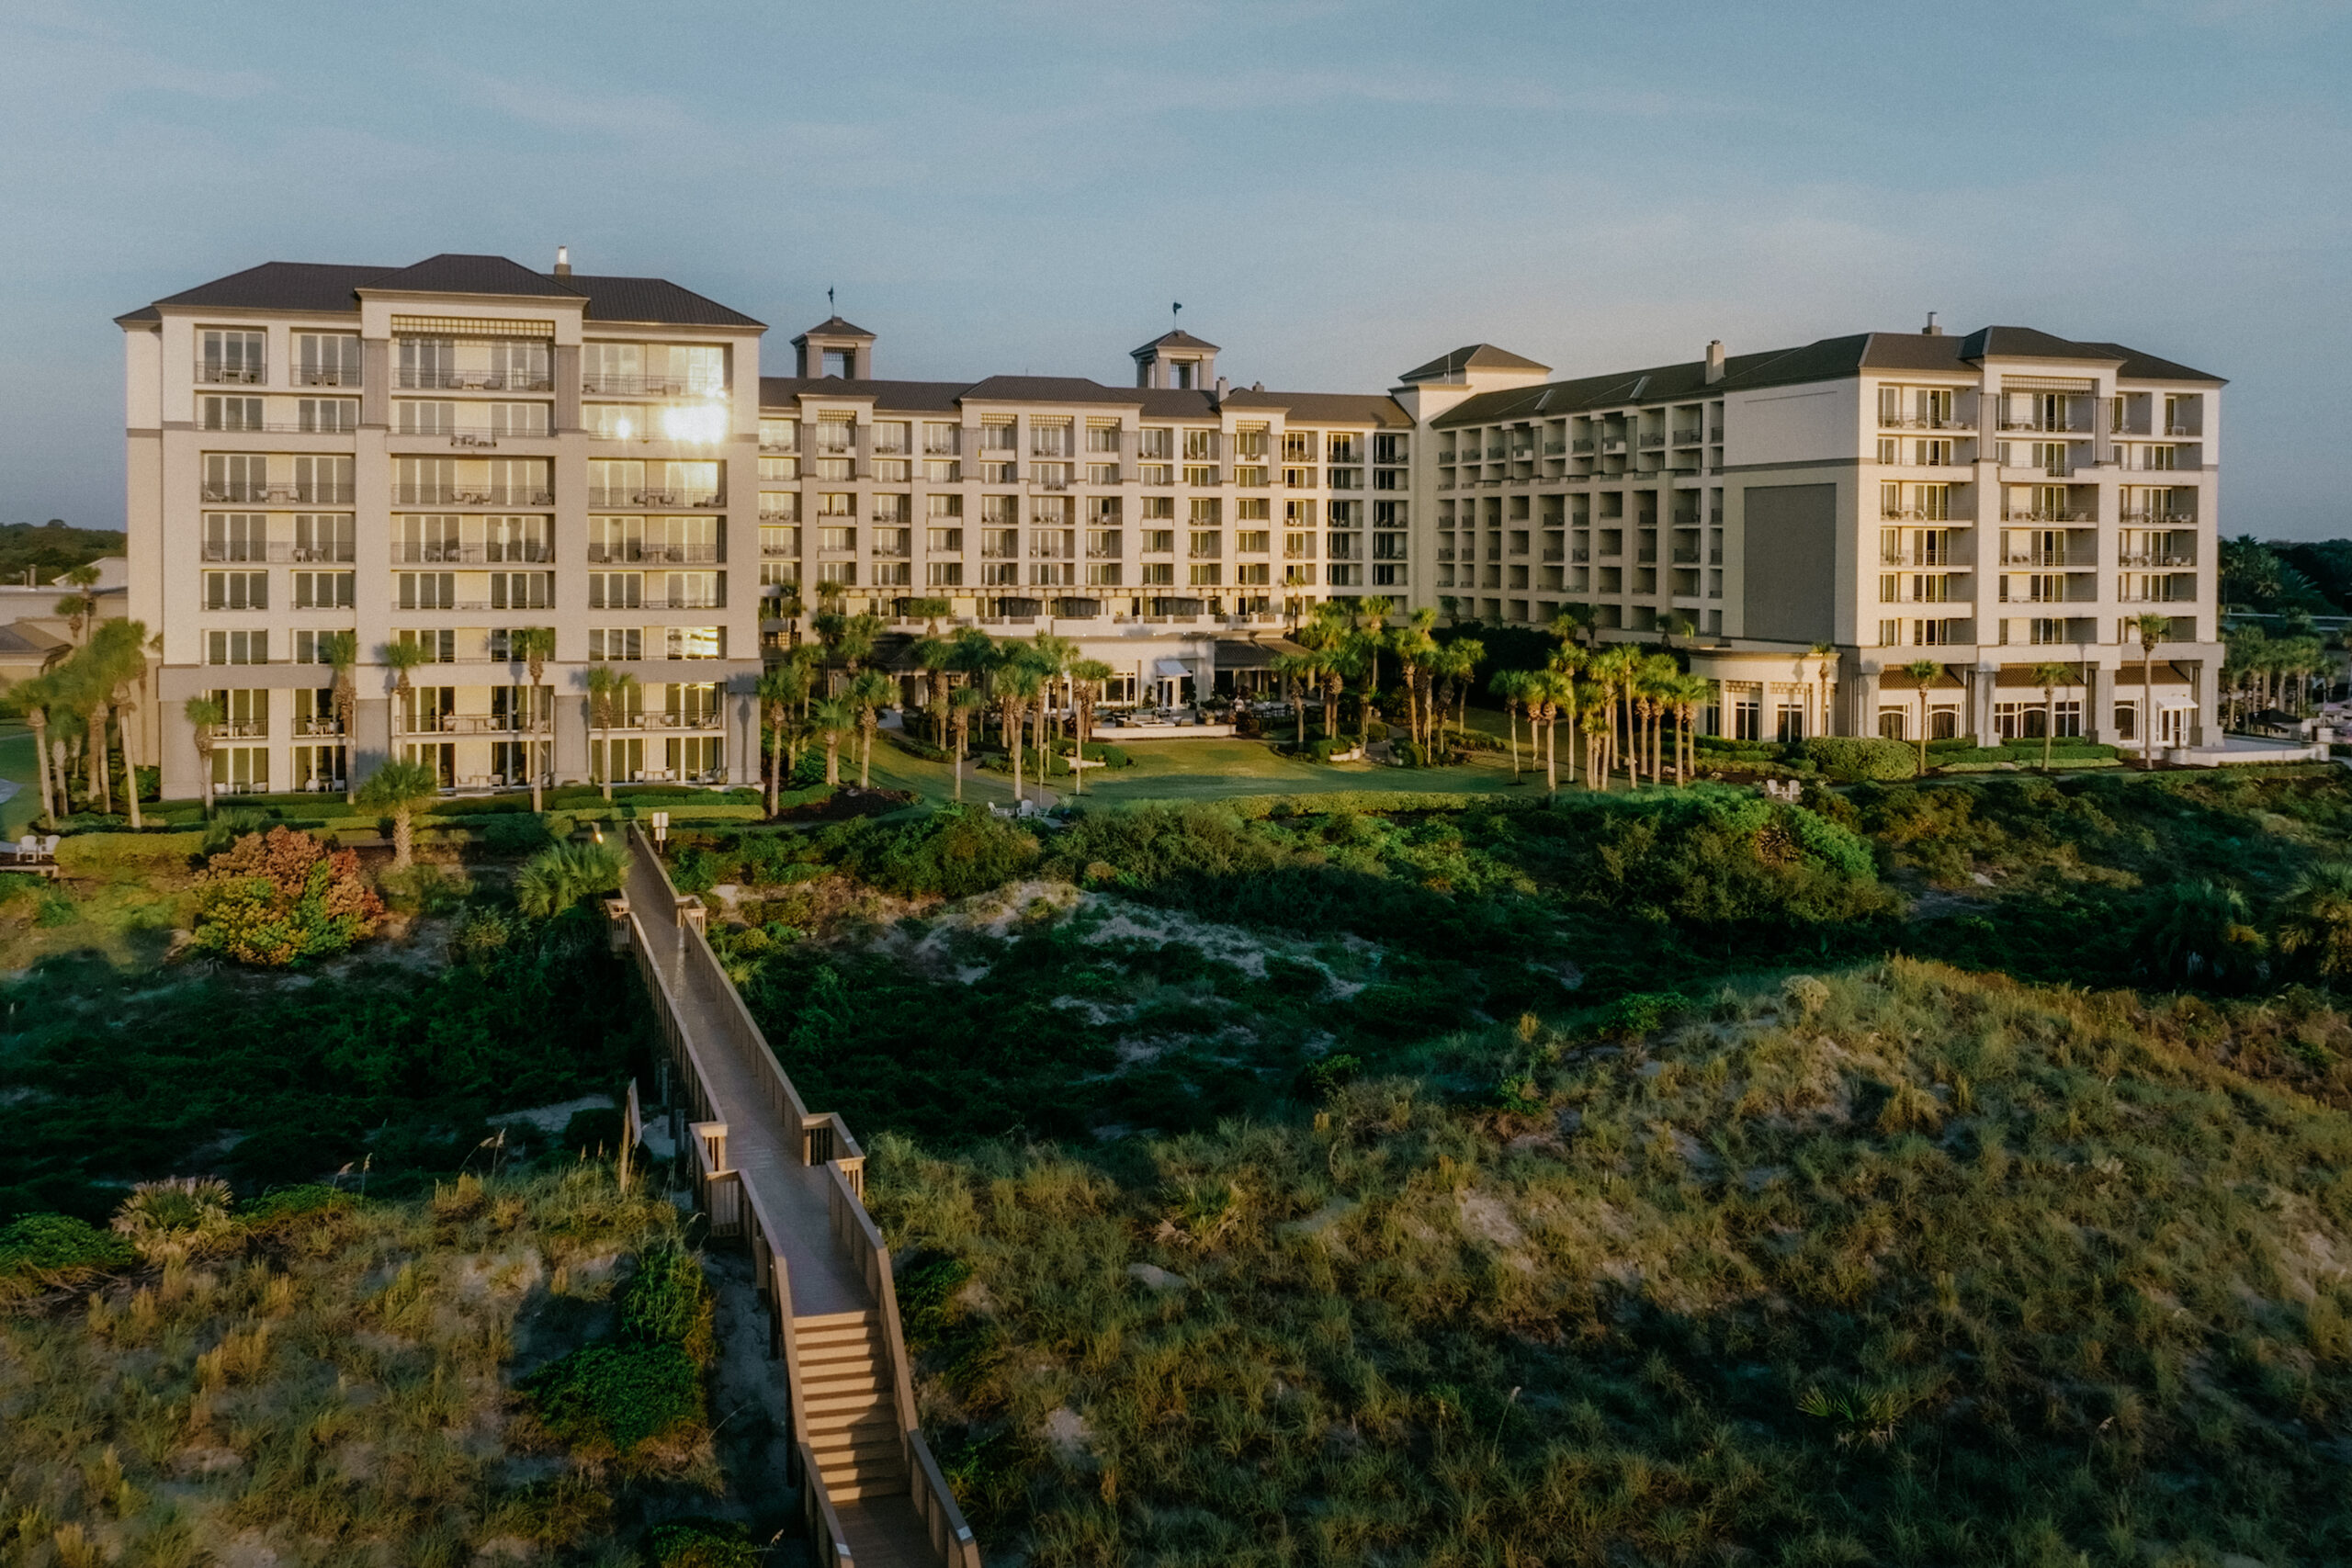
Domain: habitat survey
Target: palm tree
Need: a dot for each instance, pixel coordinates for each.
(1612, 670)
(533, 646)
(2152, 629)
(835, 719)
(400, 788)
(2048, 677)
(2316, 921)
(1515, 687)
(608, 693)
(1921, 671)
(1543, 692)
(1573, 626)
(930, 610)
(789, 609)
(1824, 671)
(340, 652)
(1371, 620)
(1455, 663)
(204, 714)
(1565, 662)
(869, 694)
(1087, 678)
(122, 646)
(935, 657)
(81, 606)
(33, 696)
(1598, 723)
(962, 703)
(1414, 645)
(781, 688)
(1300, 672)
(1688, 692)
(1016, 681)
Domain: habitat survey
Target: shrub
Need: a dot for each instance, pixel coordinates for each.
(594, 1133)
(1850, 759)
(46, 1250)
(513, 833)
(620, 1395)
(558, 877)
(913, 747)
(93, 855)
(667, 1301)
(479, 935)
(281, 898)
(1101, 751)
(288, 1203)
(173, 1217)
(233, 824)
(702, 1543)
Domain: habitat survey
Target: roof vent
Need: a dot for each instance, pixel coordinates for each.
(1714, 361)
(1931, 330)
(1256, 386)
(563, 261)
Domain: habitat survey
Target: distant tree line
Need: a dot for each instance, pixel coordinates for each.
(50, 550)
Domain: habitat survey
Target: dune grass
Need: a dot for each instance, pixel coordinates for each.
(333, 1381)
(1896, 1265)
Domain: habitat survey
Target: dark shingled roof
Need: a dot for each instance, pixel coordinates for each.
(896, 397)
(653, 300)
(453, 274)
(318, 289)
(1179, 339)
(1472, 356)
(1049, 389)
(1328, 407)
(1828, 359)
(834, 326)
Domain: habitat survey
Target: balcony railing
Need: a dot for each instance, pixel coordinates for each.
(2188, 431)
(277, 551)
(1650, 441)
(2155, 594)
(2148, 518)
(451, 553)
(2079, 560)
(242, 729)
(458, 495)
(471, 381)
(2157, 559)
(313, 376)
(311, 494)
(2038, 425)
(282, 427)
(659, 553)
(2050, 517)
(230, 375)
(610, 496)
(1918, 422)
(311, 725)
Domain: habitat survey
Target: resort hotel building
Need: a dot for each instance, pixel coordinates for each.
(445, 455)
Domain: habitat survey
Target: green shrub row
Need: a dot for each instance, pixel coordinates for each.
(1342, 802)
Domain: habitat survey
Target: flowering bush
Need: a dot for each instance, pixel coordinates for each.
(282, 898)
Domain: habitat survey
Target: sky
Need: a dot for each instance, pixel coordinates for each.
(1335, 191)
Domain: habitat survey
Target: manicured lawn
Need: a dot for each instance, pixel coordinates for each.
(1190, 769)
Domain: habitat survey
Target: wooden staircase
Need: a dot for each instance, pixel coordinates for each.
(853, 1416)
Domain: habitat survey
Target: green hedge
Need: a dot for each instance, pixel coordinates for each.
(85, 854)
(1259, 808)
(2060, 759)
(914, 748)
(1850, 759)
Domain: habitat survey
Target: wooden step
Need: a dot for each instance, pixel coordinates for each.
(832, 1348)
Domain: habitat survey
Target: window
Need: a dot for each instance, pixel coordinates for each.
(427, 362)
(1298, 547)
(240, 770)
(235, 476)
(944, 541)
(236, 648)
(616, 590)
(1102, 574)
(414, 416)
(230, 356)
(1890, 450)
(694, 642)
(698, 758)
(1344, 447)
(326, 359)
(244, 711)
(1159, 506)
(325, 480)
(1200, 478)
(944, 574)
(1249, 442)
(692, 589)
(1155, 441)
(1158, 574)
(1932, 454)
(842, 571)
(425, 590)
(616, 644)
(330, 416)
(1252, 541)
(1206, 575)
(440, 644)
(1049, 438)
(231, 413)
(522, 590)
(322, 590)
(1205, 542)
(1391, 448)
(517, 538)
(891, 437)
(318, 768)
(837, 539)
(517, 418)
(1391, 514)
(836, 504)
(1207, 510)
(236, 591)
(1252, 574)
(940, 440)
(1102, 437)
(1160, 541)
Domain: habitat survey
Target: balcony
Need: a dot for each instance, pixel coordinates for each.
(309, 494)
(2063, 560)
(313, 376)
(472, 381)
(1687, 437)
(597, 385)
(230, 375)
(277, 551)
(2150, 518)
(2145, 559)
(242, 729)
(2038, 427)
(2183, 432)
(317, 725)
(1952, 422)
(453, 495)
(280, 427)
(2076, 518)
(449, 552)
(1582, 443)
(2165, 593)
(1649, 442)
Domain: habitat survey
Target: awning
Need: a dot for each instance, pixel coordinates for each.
(1252, 653)
(1169, 669)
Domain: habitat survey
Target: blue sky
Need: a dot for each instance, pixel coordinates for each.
(1335, 191)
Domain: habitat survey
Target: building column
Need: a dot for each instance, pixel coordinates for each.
(570, 738)
(1862, 702)
(370, 739)
(1979, 701)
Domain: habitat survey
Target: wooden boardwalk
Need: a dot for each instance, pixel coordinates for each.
(790, 1186)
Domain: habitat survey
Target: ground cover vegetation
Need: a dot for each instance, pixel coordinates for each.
(497, 1370)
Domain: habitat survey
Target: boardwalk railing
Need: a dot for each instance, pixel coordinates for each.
(699, 1011)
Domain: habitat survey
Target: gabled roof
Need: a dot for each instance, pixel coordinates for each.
(1178, 339)
(273, 286)
(833, 326)
(1827, 359)
(1049, 389)
(654, 300)
(1328, 407)
(1472, 357)
(453, 274)
(316, 288)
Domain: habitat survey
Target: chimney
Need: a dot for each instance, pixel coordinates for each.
(563, 261)
(1221, 386)
(1931, 330)
(1714, 361)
